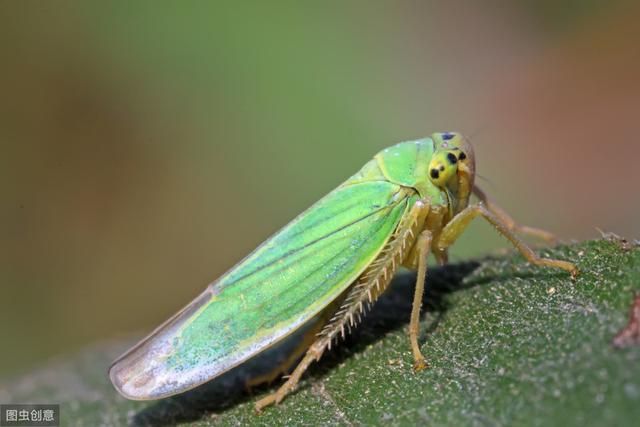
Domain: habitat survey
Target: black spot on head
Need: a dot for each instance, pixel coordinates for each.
(452, 158)
(441, 168)
(447, 136)
(435, 174)
(462, 156)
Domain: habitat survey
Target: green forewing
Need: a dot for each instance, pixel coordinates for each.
(275, 290)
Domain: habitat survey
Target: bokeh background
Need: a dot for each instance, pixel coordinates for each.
(147, 147)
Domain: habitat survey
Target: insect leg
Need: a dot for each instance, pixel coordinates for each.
(314, 353)
(510, 223)
(459, 223)
(307, 339)
(442, 256)
(423, 244)
(412, 260)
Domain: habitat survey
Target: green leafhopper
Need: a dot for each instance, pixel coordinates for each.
(329, 263)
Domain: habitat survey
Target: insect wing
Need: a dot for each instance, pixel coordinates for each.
(276, 289)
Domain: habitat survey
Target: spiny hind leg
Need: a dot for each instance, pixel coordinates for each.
(459, 223)
(307, 339)
(313, 354)
(283, 368)
(315, 347)
(423, 244)
(510, 223)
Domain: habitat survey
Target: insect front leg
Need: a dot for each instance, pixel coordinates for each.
(422, 246)
(460, 222)
(510, 223)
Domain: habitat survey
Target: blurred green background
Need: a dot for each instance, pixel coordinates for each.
(147, 147)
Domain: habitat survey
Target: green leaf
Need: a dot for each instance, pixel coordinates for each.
(508, 344)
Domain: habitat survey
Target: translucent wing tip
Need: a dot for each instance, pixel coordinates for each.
(142, 372)
(137, 377)
(123, 383)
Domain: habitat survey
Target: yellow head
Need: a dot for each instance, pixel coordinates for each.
(452, 166)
